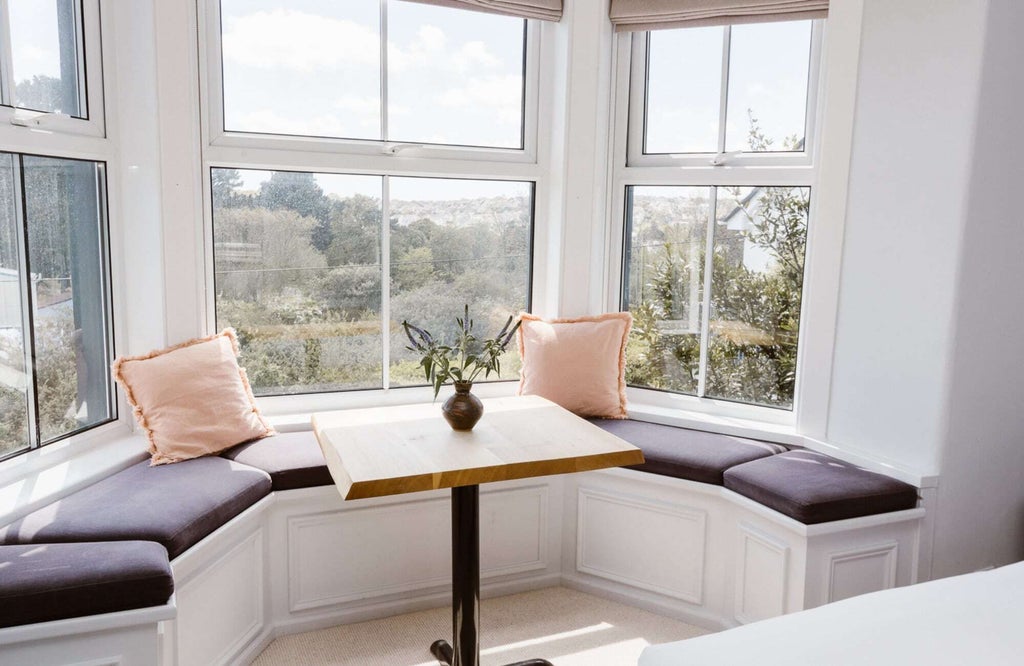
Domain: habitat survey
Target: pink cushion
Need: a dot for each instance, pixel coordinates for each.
(191, 399)
(579, 364)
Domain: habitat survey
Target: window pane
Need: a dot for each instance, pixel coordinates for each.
(454, 76)
(664, 278)
(298, 275)
(64, 212)
(45, 56)
(13, 395)
(304, 67)
(768, 66)
(457, 242)
(684, 87)
(756, 288)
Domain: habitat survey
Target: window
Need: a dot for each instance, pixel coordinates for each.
(708, 89)
(378, 70)
(55, 333)
(45, 48)
(300, 261)
(370, 161)
(716, 191)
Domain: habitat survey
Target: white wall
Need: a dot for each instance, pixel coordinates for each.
(926, 370)
(980, 518)
(908, 182)
(134, 123)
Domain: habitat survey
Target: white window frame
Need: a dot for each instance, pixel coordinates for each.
(630, 167)
(211, 72)
(638, 100)
(90, 79)
(63, 137)
(236, 150)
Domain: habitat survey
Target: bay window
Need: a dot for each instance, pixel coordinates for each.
(715, 190)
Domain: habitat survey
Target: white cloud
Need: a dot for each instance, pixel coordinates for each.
(357, 104)
(289, 39)
(473, 55)
(264, 120)
(490, 91)
(431, 38)
(426, 50)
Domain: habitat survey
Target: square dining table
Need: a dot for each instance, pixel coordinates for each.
(410, 448)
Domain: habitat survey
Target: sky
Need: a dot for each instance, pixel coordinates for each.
(768, 71)
(313, 67)
(35, 43)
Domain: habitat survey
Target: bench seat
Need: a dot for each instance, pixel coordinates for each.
(293, 460)
(815, 488)
(175, 505)
(46, 582)
(682, 453)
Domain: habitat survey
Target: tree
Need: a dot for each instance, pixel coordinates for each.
(751, 356)
(225, 184)
(41, 93)
(298, 191)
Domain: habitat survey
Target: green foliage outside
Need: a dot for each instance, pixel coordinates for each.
(754, 314)
(298, 275)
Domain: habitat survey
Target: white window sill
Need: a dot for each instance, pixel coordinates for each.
(36, 478)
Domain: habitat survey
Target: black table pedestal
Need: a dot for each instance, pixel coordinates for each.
(466, 584)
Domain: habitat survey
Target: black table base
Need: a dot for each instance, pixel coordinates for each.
(466, 585)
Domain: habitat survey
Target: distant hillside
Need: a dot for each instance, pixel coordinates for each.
(461, 212)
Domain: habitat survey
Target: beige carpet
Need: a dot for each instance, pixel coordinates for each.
(567, 627)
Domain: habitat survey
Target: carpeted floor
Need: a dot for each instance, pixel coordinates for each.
(568, 628)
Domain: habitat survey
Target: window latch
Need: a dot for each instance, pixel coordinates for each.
(35, 120)
(395, 148)
(721, 159)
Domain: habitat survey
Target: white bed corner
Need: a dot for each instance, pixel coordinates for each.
(977, 618)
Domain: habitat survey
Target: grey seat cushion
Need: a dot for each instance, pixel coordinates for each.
(293, 460)
(45, 582)
(687, 454)
(175, 505)
(815, 488)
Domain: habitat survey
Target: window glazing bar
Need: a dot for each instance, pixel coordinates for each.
(385, 280)
(27, 303)
(6, 56)
(723, 100)
(709, 265)
(384, 81)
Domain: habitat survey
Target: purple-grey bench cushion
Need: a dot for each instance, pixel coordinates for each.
(815, 488)
(44, 582)
(293, 460)
(687, 454)
(175, 505)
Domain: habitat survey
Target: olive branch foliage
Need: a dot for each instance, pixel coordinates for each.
(466, 358)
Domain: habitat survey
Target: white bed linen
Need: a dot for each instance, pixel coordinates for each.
(966, 620)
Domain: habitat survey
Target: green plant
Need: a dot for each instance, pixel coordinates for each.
(466, 359)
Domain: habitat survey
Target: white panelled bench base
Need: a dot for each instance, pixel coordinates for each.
(304, 559)
(710, 556)
(125, 638)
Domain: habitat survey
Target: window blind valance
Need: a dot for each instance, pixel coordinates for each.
(546, 10)
(630, 15)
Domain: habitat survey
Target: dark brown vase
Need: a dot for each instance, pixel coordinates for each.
(463, 409)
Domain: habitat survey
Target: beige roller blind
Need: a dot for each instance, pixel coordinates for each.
(547, 10)
(628, 15)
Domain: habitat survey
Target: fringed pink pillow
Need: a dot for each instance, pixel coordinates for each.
(191, 399)
(579, 363)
